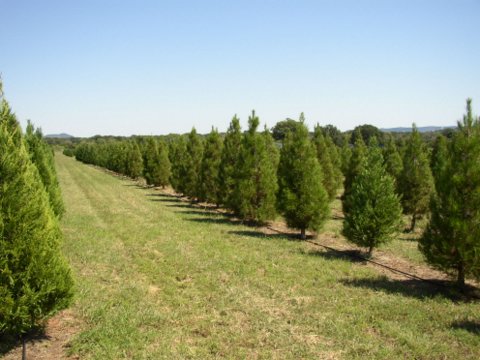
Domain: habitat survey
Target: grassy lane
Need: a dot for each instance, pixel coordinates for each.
(157, 279)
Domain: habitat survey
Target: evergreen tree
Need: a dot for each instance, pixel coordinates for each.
(157, 166)
(416, 181)
(335, 159)
(134, 164)
(355, 166)
(323, 155)
(258, 181)
(35, 280)
(393, 160)
(439, 159)
(345, 156)
(178, 159)
(228, 174)
(212, 155)
(374, 210)
(302, 198)
(42, 156)
(451, 241)
(193, 165)
(164, 167)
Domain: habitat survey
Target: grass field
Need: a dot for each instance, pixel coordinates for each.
(158, 279)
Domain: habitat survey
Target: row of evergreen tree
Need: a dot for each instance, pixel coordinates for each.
(256, 178)
(35, 279)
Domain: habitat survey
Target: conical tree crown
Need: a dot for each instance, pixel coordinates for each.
(35, 280)
(178, 159)
(302, 198)
(373, 209)
(193, 165)
(323, 155)
(393, 160)
(210, 166)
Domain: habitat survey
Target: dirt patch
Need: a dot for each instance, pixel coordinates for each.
(53, 343)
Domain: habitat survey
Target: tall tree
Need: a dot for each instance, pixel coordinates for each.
(35, 280)
(416, 181)
(451, 241)
(373, 208)
(193, 165)
(134, 166)
(228, 174)
(178, 157)
(438, 161)
(212, 155)
(302, 198)
(393, 160)
(257, 185)
(323, 155)
(355, 166)
(156, 163)
(42, 156)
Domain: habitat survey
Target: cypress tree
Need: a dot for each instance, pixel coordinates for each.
(257, 176)
(373, 208)
(178, 158)
(228, 174)
(416, 181)
(451, 241)
(323, 155)
(42, 156)
(393, 160)
(355, 166)
(193, 165)
(35, 280)
(212, 155)
(134, 164)
(302, 198)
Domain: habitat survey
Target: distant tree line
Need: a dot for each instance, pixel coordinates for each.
(260, 174)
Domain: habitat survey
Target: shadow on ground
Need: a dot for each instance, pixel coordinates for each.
(468, 325)
(355, 256)
(262, 235)
(10, 342)
(416, 288)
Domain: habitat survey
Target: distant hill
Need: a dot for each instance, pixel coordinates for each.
(420, 129)
(59, 136)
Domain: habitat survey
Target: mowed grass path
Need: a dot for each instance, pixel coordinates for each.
(157, 279)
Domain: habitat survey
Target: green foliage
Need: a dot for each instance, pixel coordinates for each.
(355, 166)
(280, 130)
(393, 160)
(157, 168)
(35, 280)
(345, 156)
(193, 165)
(302, 198)
(439, 159)
(374, 210)
(212, 155)
(332, 132)
(42, 157)
(228, 174)
(366, 132)
(323, 153)
(134, 166)
(178, 158)
(416, 181)
(451, 241)
(257, 184)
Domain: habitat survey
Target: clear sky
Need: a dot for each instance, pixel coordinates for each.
(156, 67)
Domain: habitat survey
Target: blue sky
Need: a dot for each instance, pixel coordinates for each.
(157, 67)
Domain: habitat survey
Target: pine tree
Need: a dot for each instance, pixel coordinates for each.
(355, 166)
(451, 241)
(134, 164)
(323, 155)
(374, 210)
(335, 159)
(178, 159)
(257, 184)
(193, 165)
(157, 166)
(345, 156)
(35, 280)
(212, 155)
(302, 198)
(393, 160)
(416, 181)
(42, 156)
(164, 167)
(228, 174)
(439, 159)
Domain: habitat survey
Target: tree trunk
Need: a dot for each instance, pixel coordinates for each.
(24, 348)
(370, 251)
(414, 222)
(302, 234)
(461, 275)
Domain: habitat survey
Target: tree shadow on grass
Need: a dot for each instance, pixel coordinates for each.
(468, 325)
(9, 342)
(355, 256)
(415, 288)
(262, 235)
(215, 220)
